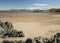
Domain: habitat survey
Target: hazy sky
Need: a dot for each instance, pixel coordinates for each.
(29, 4)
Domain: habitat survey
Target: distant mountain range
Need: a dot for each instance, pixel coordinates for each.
(14, 11)
(25, 10)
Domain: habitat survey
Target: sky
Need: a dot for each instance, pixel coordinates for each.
(29, 4)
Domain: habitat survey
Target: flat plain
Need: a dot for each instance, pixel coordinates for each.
(33, 24)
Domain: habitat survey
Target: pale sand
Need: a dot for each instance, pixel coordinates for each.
(35, 25)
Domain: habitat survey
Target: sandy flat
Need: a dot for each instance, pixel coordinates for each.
(34, 25)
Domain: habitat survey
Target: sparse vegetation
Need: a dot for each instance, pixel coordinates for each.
(49, 10)
(37, 10)
(54, 10)
(6, 41)
(7, 30)
(54, 39)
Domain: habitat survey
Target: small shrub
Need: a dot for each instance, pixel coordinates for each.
(57, 37)
(45, 40)
(1, 30)
(3, 26)
(12, 42)
(50, 41)
(58, 34)
(39, 39)
(20, 41)
(9, 25)
(14, 34)
(20, 34)
(5, 41)
(29, 40)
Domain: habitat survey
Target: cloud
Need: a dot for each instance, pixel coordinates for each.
(55, 7)
(36, 6)
(4, 8)
(42, 5)
(29, 7)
